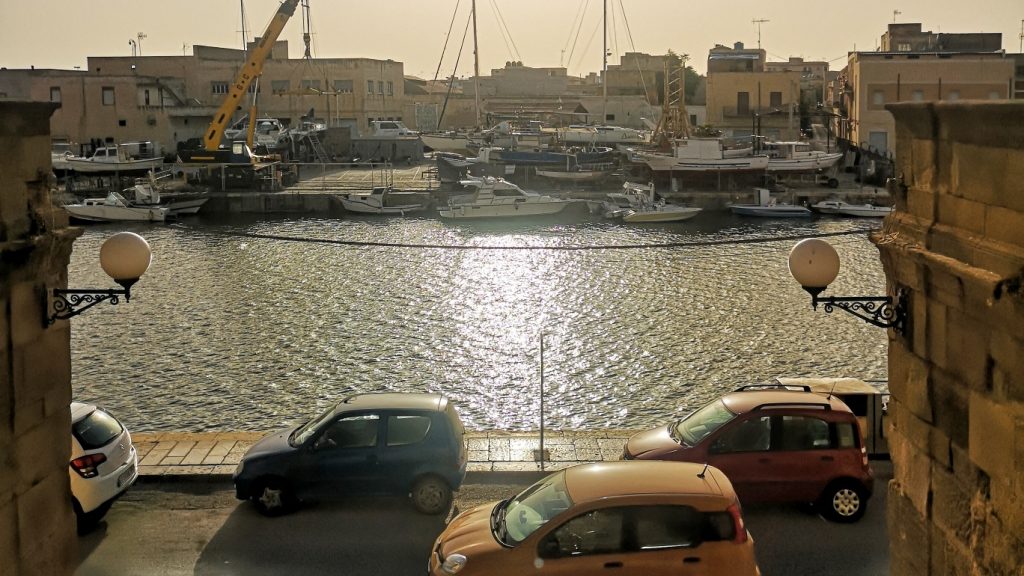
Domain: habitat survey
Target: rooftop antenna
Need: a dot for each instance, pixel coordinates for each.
(759, 21)
(702, 472)
(895, 13)
(833, 389)
(245, 33)
(1021, 49)
(140, 36)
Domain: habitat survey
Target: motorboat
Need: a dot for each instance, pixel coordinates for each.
(115, 208)
(769, 207)
(798, 157)
(702, 155)
(838, 207)
(513, 135)
(376, 202)
(499, 198)
(637, 203)
(112, 159)
(268, 131)
(145, 195)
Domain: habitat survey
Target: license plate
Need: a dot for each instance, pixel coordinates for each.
(125, 476)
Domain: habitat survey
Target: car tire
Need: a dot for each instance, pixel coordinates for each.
(843, 502)
(431, 495)
(86, 522)
(273, 497)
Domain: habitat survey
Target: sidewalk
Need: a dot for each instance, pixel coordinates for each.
(214, 455)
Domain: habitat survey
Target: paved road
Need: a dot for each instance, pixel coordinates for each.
(200, 529)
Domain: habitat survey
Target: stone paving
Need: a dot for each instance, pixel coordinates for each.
(175, 454)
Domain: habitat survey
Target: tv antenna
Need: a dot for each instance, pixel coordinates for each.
(140, 36)
(759, 21)
(1021, 49)
(895, 13)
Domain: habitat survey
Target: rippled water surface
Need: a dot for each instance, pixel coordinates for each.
(232, 331)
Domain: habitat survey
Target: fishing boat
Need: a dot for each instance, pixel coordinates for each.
(769, 207)
(838, 207)
(499, 198)
(702, 155)
(115, 208)
(376, 202)
(580, 173)
(604, 136)
(637, 203)
(798, 157)
(111, 159)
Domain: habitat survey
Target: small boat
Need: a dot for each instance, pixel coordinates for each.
(581, 173)
(115, 208)
(144, 195)
(111, 159)
(798, 157)
(703, 155)
(769, 207)
(600, 135)
(499, 198)
(376, 202)
(638, 203)
(841, 208)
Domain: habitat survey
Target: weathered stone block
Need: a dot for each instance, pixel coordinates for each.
(951, 506)
(912, 470)
(967, 348)
(909, 535)
(38, 453)
(921, 204)
(8, 537)
(908, 383)
(1005, 225)
(935, 333)
(1008, 355)
(26, 313)
(961, 213)
(47, 547)
(950, 402)
(992, 441)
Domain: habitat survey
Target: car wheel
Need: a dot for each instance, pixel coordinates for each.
(843, 502)
(87, 521)
(272, 497)
(431, 495)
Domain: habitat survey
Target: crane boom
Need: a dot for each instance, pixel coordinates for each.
(250, 70)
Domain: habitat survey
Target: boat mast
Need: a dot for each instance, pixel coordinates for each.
(604, 67)
(476, 70)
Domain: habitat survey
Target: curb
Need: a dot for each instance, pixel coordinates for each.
(472, 477)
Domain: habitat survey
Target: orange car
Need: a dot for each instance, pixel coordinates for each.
(634, 518)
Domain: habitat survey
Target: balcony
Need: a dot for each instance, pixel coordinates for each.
(734, 112)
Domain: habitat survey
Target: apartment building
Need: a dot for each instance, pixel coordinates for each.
(745, 96)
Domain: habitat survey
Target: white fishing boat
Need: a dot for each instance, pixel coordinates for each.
(145, 195)
(769, 207)
(702, 155)
(112, 159)
(604, 136)
(376, 202)
(579, 173)
(638, 203)
(798, 157)
(446, 141)
(838, 207)
(498, 198)
(114, 208)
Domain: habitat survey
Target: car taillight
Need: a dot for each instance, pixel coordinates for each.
(737, 523)
(86, 465)
(864, 457)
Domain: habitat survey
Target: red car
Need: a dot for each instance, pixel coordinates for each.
(776, 444)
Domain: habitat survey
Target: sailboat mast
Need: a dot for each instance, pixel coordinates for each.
(476, 70)
(604, 66)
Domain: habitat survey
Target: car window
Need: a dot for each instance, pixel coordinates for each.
(96, 430)
(303, 433)
(535, 506)
(804, 433)
(751, 435)
(407, 429)
(845, 435)
(596, 532)
(359, 431)
(695, 427)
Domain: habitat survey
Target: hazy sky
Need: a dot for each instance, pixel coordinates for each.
(62, 33)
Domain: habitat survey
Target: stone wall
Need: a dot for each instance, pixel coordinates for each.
(37, 526)
(956, 241)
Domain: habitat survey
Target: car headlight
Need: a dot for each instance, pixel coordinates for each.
(453, 563)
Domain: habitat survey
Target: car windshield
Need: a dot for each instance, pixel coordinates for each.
(521, 516)
(302, 433)
(695, 427)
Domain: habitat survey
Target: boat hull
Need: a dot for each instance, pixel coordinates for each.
(777, 211)
(509, 210)
(673, 164)
(807, 164)
(667, 214)
(99, 213)
(90, 167)
(365, 206)
(446, 142)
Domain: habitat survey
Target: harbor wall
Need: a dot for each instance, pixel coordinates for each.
(956, 242)
(37, 526)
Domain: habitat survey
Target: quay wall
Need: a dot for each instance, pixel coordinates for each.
(37, 525)
(956, 243)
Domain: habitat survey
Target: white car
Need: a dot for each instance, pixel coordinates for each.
(103, 462)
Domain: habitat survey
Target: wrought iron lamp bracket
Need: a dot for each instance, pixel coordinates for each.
(68, 303)
(879, 311)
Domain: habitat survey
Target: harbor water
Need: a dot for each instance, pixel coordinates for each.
(251, 324)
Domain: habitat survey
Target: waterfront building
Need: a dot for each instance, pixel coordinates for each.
(916, 66)
(745, 96)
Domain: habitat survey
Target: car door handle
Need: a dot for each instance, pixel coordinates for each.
(691, 560)
(827, 459)
(613, 564)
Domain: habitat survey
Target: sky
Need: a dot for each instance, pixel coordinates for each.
(540, 33)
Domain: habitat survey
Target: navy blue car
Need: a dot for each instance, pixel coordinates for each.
(394, 443)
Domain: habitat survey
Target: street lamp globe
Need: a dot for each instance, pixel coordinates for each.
(125, 257)
(814, 263)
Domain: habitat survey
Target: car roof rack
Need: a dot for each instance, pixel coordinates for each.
(774, 385)
(822, 405)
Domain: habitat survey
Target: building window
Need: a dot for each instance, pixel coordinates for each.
(391, 88)
(369, 121)
(108, 95)
(380, 86)
(609, 117)
(280, 86)
(307, 85)
(954, 95)
(903, 47)
(743, 102)
(145, 97)
(55, 94)
(343, 86)
(994, 95)
(775, 99)
(918, 95)
(254, 88)
(122, 123)
(878, 97)
(219, 87)
(369, 86)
